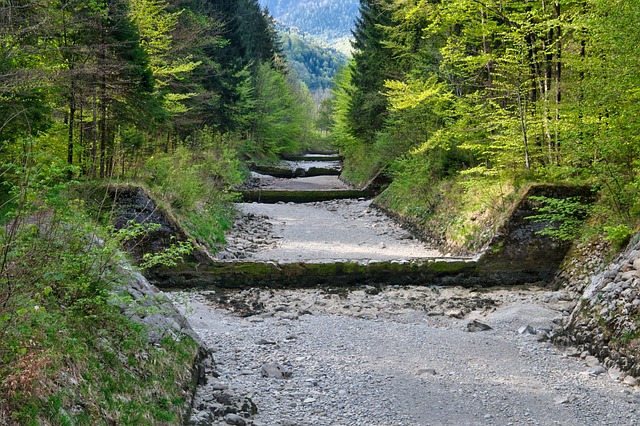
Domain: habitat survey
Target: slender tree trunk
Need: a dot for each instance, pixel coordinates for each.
(72, 114)
(84, 151)
(548, 78)
(72, 95)
(94, 129)
(523, 127)
(558, 81)
(487, 51)
(103, 127)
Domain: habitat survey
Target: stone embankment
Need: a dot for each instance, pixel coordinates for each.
(606, 322)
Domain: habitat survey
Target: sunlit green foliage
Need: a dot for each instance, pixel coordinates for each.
(173, 95)
(277, 123)
(64, 337)
(564, 215)
(313, 63)
(511, 92)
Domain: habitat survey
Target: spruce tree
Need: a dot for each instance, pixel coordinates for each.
(370, 67)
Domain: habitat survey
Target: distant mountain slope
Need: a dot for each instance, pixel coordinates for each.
(329, 20)
(313, 63)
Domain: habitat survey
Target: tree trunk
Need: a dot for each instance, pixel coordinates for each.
(103, 127)
(94, 129)
(558, 77)
(523, 127)
(72, 114)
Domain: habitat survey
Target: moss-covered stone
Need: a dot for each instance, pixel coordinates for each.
(313, 157)
(271, 196)
(304, 275)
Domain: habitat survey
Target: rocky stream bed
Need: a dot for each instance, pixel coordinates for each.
(328, 231)
(398, 356)
(381, 355)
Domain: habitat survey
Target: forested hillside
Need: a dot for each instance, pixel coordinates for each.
(314, 64)
(330, 21)
(173, 95)
(462, 103)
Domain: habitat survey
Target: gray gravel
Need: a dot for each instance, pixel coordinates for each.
(311, 183)
(341, 230)
(389, 356)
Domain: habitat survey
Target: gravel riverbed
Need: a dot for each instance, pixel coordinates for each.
(328, 231)
(398, 356)
(312, 183)
(385, 356)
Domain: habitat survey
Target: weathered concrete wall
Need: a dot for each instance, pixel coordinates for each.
(517, 255)
(134, 203)
(305, 275)
(518, 247)
(269, 196)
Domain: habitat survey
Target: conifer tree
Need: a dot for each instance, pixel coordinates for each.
(370, 67)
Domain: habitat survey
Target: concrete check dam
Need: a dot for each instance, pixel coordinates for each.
(300, 226)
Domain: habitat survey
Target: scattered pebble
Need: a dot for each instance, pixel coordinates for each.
(359, 359)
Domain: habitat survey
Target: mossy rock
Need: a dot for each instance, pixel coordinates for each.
(272, 196)
(241, 275)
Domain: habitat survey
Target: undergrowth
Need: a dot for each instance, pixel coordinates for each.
(461, 212)
(69, 355)
(196, 184)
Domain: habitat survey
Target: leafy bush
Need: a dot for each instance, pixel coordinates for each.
(176, 178)
(195, 183)
(563, 217)
(618, 235)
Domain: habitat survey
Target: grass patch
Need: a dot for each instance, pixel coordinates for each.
(462, 213)
(195, 185)
(360, 165)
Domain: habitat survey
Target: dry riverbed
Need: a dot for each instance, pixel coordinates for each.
(329, 231)
(384, 356)
(311, 183)
(398, 356)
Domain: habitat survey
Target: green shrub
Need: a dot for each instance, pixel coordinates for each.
(563, 217)
(618, 235)
(195, 183)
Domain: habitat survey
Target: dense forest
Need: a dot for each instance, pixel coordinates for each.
(329, 21)
(462, 103)
(176, 96)
(459, 104)
(314, 64)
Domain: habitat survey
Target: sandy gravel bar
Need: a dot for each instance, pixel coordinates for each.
(334, 231)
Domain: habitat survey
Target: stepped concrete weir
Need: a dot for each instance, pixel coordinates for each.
(318, 231)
